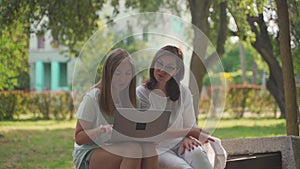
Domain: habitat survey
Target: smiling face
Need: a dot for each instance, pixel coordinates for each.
(122, 76)
(166, 71)
(164, 68)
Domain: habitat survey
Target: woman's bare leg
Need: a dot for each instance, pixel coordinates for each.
(134, 163)
(150, 157)
(150, 162)
(121, 156)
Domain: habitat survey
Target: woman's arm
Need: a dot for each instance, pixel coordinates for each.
(84, 134)
(201, 135)
(85, 131)
(189, 119)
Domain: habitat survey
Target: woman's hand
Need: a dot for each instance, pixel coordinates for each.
(189, 143)
(107, 129)
(84, 133)
(202, 135)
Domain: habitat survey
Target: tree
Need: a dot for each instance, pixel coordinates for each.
(249, 17)
(294, 14)
(69, 22)
(72, 21)
(14, 52)
(264, 46)
(253, 20)
(243, 64)
(200, 13)
(232, 64)
(291, 107)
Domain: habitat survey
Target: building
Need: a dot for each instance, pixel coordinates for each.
(50, 69)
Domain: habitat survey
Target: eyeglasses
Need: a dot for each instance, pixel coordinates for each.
(161, 66)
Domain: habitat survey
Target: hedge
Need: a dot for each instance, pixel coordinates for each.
(243, 98)
(59, 105)
(45, 105)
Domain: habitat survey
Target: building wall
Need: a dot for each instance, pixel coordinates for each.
(52, 70)
(49, 68)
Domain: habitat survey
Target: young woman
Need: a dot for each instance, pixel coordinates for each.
(95, 117)
(163, 90)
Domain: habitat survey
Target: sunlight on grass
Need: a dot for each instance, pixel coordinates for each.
(48, 144)
(39, 144)
(248, 128)
(36, 125)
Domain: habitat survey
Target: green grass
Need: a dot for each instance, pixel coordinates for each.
(47, 144)
(248, 128)
(36, 144)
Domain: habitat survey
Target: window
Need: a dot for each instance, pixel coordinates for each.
(47, 76)
(63, 81)
(41, 42)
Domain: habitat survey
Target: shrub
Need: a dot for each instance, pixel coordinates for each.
(42, 104)
(60, 110)
(45, 105)
(7, 104)
(241, 98)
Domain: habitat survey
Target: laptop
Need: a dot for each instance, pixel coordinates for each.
(139, 125)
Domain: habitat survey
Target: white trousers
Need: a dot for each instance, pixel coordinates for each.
(194, 159)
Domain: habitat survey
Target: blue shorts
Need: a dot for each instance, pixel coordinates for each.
(86, 160)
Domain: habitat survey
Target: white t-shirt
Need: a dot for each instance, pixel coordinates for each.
(182, 110)
(183, 114)
(89, 110)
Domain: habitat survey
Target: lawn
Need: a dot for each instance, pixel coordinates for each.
(248, 128)
(36, 144)
(47, 144)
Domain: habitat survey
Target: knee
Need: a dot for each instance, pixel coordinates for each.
(199, 154)
(199, 151)
(149, 150)
(198, 157)
(131, 150)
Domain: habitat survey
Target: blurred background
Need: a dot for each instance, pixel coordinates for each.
(41, 41)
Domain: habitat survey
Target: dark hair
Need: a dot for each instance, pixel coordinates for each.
(113, 60)
(172, 86)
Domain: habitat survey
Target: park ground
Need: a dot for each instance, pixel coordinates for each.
(48, 144)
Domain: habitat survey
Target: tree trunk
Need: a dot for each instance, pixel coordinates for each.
(264, 47)
(254, 72)
(200, 63)
(243, 62)
(199, 13)
(291, 107)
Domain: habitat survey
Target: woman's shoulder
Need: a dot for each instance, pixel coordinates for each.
(142, 91)
(93, 93)
(142, 88)
(185, 90)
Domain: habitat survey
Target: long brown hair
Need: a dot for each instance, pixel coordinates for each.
(172, 86)
(113, 60)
